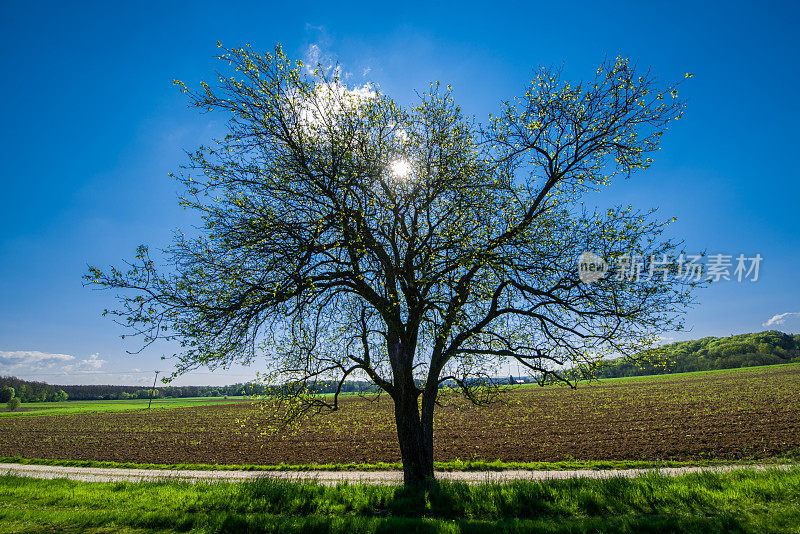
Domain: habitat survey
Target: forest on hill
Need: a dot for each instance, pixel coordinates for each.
(710, 353)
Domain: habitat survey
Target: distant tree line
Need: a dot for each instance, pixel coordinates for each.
(114, 392)
(111, 392)
(30, 391)
(710, 353)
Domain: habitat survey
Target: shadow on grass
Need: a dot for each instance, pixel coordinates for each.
(731, 502)
(615, 505)
(408, 525)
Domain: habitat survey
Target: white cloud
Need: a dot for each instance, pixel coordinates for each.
(33, 363)
(32, 358)
(326, 102)
(93, 363)
(781, 318)
(328, 97)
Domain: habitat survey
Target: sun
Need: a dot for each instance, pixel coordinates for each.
(400, 168)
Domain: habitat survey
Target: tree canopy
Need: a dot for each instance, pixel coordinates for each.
(346, 236)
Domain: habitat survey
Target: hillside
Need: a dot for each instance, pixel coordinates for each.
(709, 353)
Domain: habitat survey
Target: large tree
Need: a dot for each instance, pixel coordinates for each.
(346, 236)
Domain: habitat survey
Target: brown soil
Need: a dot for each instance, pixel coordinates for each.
(744, 414)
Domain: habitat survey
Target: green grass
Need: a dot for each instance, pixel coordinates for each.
(698, 374)
(457, 465)
(742, 501)
(95, 406)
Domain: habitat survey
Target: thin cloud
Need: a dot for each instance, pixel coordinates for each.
(664, 340)
(316, 58)
(312, 57)
(781, 318)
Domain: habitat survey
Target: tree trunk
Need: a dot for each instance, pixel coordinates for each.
(416, 441)
(414, 433)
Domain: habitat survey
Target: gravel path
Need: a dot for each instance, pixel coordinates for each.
(94, 474)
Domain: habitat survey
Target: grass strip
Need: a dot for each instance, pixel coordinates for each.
(456, 465)
(741, 501)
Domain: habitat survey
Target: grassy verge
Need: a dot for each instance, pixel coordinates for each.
(457, 465)
(744, 371)
(742, 501)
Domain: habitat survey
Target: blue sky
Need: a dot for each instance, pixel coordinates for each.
(93, 125)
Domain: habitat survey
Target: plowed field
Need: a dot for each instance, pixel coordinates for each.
(747, 413)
